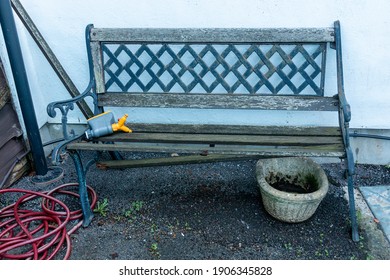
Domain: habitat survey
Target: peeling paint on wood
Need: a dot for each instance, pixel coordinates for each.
(219, 101)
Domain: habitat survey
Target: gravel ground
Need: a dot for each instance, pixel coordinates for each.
(214, 211)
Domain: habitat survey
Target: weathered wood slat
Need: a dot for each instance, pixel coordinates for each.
(235, 129)
(222, 139)
(335, 150)
(97, 61)
(180, 160)
(213, 35)
(219, 101)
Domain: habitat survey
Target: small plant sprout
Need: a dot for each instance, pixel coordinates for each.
(322, 238)
(101, 207)
(153, 228)
(135, 207)
(154, 247)
(288, 246)
(154, 250)
(187, 226)
(327, 252)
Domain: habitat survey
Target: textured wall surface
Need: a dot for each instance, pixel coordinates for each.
(367, 76)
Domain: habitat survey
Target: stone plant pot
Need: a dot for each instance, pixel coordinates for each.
(289, 206)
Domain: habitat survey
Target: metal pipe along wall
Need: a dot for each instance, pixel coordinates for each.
(22, 87)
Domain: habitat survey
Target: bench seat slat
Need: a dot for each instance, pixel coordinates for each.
(222, 139)
(178, 160)
(219, 101)
(235, 129)
(334, 150)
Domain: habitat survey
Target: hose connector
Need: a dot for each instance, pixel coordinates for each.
(120, 125)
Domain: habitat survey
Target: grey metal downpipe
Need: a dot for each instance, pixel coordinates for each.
(21, 82)
(365, 135)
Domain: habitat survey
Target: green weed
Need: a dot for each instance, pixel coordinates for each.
(322, 238)
(326, 253)
(299, 251)
(101, 207)
(154, 250)
(288, 246)
(153, 228)
(187, 226)
(135, 207)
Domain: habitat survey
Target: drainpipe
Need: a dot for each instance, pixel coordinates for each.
(22, 87)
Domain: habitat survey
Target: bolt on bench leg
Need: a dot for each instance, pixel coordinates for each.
(83, 192)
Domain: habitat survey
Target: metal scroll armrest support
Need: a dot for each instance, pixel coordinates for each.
(64, 106)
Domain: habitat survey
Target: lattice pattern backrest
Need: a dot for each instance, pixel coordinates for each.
(227, 61)
(185, 68)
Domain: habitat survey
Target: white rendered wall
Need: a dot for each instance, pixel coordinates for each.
(364, 34)
(365, 38)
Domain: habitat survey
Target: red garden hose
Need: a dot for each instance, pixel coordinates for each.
(30, 234)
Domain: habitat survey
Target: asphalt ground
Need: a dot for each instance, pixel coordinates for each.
(214, 211)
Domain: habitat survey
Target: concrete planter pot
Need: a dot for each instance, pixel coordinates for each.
(286, 206)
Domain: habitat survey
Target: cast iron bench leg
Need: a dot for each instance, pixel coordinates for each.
(83, 192)
(352, 210)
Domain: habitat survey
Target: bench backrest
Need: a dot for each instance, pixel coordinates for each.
(272, 68)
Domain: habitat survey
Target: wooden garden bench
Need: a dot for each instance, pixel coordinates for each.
(202, 69)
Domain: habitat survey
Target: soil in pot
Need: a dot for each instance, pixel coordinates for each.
(308, 184)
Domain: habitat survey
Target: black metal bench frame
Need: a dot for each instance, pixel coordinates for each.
(264, 69)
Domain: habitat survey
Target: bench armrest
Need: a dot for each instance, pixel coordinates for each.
(345, 108)
(65, 105)
(68, 103)
(344, 105)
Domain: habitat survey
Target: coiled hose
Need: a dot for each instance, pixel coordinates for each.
(38, 235)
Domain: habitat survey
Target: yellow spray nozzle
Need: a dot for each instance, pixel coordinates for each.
(120, 125)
